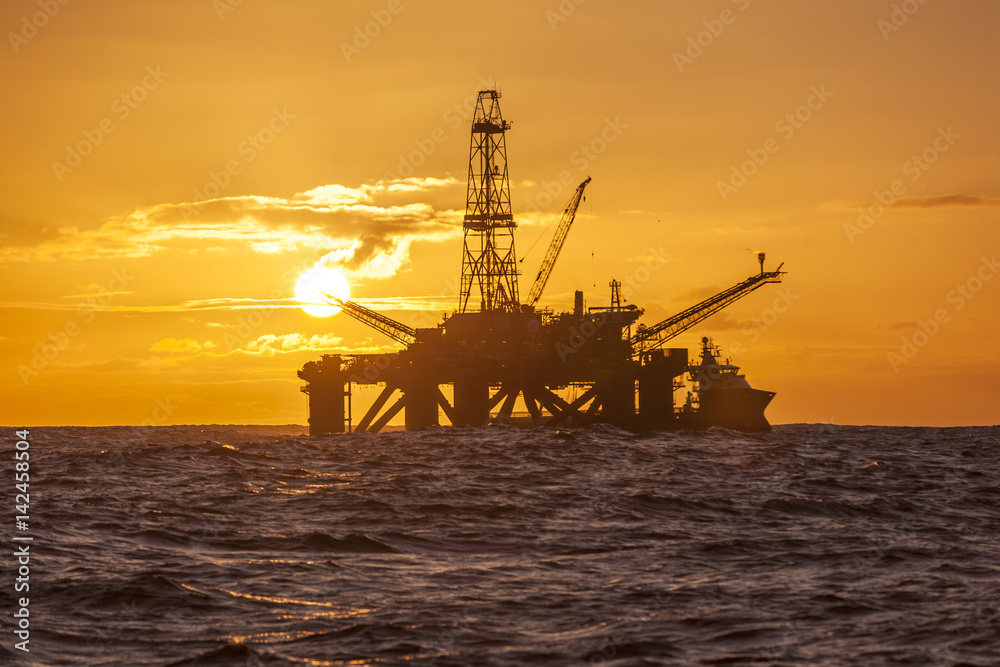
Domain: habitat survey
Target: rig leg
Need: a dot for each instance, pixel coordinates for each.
(618, 398)
(472, 402)
(507, 409)
(389, 414)
(329, 391)
(449, 411)
(536, 413)
(374, 409)
(594, 407)
(421, 405)
(560, 409)
(656, 388)
(583, 398)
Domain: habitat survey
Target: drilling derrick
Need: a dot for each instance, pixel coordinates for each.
(489, 263)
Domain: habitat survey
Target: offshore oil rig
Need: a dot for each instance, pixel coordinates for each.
(496, 348)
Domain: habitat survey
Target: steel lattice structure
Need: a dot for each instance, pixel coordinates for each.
(562, 231)
(656, 336)
(489, 263)
(390, 327)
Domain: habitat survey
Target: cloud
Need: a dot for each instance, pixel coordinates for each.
(226, 303)
(919, 201)
(367, 230)
(434, 304)
(694, 295)
(941, 201)
(733, 231)
(721, 322)
(637, 211)
(425, 303)
(268, 345)
(271, 344)
(180, 345)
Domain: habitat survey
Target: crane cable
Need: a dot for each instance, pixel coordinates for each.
(593, 262)
(531, 247)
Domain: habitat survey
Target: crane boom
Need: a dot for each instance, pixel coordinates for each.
(652, 337)
(388, 326)
(557, 243)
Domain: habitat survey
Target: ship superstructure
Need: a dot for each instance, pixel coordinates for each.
(721, 396)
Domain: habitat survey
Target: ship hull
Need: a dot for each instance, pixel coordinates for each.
(738, 409)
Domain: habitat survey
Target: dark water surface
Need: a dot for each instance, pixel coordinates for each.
(812, 545)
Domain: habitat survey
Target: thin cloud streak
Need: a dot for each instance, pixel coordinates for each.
(400, 303)
(919, 202)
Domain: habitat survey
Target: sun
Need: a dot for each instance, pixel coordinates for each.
(316, 282)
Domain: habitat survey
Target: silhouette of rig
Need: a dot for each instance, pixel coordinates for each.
(501, 349)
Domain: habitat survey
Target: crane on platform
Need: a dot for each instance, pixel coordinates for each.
(390, 327)
(569, 214)
(656, 336)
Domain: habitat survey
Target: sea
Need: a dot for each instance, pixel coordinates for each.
(258, 546)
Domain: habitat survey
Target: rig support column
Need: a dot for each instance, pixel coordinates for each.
(328, 393)
(617, 396)
(472, 401)
(656, 387)
(421, 407)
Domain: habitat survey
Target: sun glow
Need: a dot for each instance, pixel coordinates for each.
(316, 282)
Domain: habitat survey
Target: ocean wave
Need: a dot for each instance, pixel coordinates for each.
(814, 544)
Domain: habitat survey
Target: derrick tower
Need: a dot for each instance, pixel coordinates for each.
(489, 263)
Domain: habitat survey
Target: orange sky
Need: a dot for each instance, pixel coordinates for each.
(709, 128)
